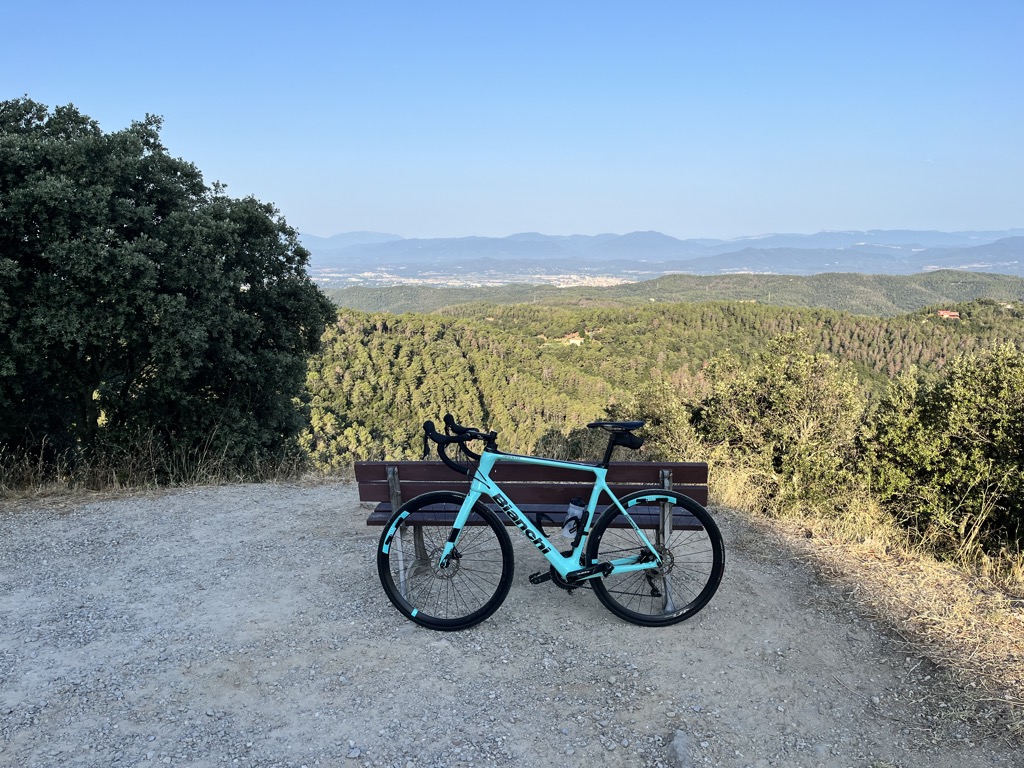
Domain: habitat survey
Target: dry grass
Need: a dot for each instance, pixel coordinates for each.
(144, 468)
(966, 617)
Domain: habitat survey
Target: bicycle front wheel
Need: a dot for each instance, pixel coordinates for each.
(688, 542)
(478, 575)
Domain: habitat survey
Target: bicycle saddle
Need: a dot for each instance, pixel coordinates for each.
(616, 426)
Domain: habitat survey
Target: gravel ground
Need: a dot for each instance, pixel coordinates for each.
(244, 625)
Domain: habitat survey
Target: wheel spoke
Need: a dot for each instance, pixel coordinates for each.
(474, 582)
(692, 561)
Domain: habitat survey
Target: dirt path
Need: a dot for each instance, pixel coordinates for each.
(245, 626)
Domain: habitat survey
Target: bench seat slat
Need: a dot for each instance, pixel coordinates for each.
(521, 493)
(444, 515)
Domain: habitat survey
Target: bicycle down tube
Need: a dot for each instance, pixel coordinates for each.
(482, 485)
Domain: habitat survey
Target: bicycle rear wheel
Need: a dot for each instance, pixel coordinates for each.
(479, 572)
(691, 549)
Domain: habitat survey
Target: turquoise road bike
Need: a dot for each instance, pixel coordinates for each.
(445, 558)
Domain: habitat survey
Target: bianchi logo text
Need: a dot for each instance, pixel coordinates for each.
(517, 521)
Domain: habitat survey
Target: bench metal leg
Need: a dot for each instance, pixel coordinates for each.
(401, 563)
(420, 560)
(662, 537)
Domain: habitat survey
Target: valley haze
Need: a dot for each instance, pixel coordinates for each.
(377, 259)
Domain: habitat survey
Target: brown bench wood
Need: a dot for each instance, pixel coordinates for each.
(541, 492)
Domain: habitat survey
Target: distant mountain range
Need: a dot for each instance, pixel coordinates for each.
(372, 258)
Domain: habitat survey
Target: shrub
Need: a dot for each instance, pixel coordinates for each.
(790, 420)
(948, 457)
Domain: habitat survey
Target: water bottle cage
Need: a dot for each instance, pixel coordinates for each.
(539, 522)
(572, 528)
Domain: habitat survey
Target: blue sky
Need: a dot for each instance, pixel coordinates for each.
(697, 119)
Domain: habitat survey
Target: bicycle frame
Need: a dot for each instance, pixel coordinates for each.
(482, 485)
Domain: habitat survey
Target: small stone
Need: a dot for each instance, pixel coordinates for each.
(679, 751)
(353, 753)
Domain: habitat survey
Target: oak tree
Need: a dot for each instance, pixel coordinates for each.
(140, 305)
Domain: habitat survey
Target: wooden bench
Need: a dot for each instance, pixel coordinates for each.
(541, 492)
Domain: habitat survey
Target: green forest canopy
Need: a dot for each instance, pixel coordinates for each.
(884, 295)
(526, 369)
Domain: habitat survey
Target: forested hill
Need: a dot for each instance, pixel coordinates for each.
(527, 369)
(883, 295)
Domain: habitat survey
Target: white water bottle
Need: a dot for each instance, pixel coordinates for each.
(573, 518)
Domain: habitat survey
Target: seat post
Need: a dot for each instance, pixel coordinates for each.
(608, 452)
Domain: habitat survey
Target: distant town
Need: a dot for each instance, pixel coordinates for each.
(339, 279)
(369, 259)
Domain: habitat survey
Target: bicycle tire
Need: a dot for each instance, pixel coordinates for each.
(478, 576)
(693, 555)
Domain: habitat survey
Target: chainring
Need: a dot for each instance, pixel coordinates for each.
(561, 583)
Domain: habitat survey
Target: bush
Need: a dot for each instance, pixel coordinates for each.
(790, 421)
(948, 457)
(140, 306)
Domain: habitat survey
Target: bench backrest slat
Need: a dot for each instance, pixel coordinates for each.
(530, 484)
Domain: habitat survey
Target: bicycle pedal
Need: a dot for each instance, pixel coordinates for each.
(540, 577)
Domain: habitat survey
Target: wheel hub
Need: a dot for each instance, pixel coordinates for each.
(668, 560)
(451, 569)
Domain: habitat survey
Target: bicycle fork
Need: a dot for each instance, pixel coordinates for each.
(456, 532)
